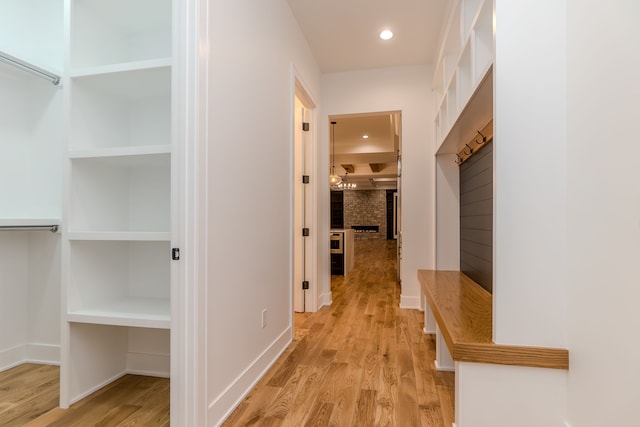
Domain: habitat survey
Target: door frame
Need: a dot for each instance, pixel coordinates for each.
(300, 91)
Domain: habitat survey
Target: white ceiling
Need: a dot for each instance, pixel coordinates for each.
(372, 161)
(343, 36)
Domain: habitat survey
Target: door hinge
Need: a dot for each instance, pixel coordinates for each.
(305, 285)
(305, 232)
(305, 179)
(175, 254)
(305, 126)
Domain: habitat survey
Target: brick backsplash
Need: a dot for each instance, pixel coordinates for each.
(366, 207)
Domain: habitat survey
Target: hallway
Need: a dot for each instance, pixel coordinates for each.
(360, 362)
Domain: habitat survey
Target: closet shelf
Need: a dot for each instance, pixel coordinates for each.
(135, 236)
(121, 67)
(140, 150)
(28, 222)
(131, 311)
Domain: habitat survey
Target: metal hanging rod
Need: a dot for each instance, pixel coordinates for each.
(52, 228)
(25, 66)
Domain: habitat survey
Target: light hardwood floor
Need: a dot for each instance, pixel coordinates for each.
(360, 362)
(29, 398)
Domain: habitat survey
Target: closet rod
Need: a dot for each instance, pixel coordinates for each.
(52, 228)
(25, 66)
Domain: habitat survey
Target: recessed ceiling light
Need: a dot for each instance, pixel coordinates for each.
(386, 35)
(365, 136)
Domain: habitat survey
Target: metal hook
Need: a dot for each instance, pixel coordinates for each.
(470, 150)
(459, 159)
(484, 138)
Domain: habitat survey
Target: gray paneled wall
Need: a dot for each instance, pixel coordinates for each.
(476, 217)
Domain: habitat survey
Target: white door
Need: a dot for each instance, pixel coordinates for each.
(302, 207)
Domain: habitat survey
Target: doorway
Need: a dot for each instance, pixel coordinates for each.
(364, 163)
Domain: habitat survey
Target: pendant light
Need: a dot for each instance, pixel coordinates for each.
(334, 180)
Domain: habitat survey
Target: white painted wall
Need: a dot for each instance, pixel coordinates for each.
(29, 297)
(407, 89)
(603, 212)
(249, 210)
(530, 256)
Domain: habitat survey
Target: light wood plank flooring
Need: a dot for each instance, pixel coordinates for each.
(29, 397)
(360, 362)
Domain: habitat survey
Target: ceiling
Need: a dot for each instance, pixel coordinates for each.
(343, 36)
(370, 163)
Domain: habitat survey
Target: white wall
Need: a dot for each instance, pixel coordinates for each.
(603, 212)
(249, 214)
(407, 89)
(29, 297)
(530, 257)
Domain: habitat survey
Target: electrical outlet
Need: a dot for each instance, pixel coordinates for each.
(264, 318)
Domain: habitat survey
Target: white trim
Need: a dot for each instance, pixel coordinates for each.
(327, 299)
(153, 365)
(428, 331)
(227, 401)
(43, 354)
(443, 368)
(189, 146)
(410, 302)
(12, 357)
(97, 387)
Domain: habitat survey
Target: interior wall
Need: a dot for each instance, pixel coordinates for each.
(530, 256)
(249, 209)
(406, 89)
(603, 210)
(14, 294)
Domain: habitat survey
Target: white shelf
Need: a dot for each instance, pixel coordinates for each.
(29, 222)
(135, 312)
(121, 236)
(123, 67)
(464, 62)
(141, 150)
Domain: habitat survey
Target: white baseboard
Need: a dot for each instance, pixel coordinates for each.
(443, 368)
(12, 357)
(410, 302)
(96, 388)
(45, 354)
(153, 365)
(226, 402)
(327, 299)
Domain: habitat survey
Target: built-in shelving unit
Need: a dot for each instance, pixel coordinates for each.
(116, 241)
(463, 80)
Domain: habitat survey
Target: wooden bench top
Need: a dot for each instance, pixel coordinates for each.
(464, 312)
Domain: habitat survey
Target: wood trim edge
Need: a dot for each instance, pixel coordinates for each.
(490, 352)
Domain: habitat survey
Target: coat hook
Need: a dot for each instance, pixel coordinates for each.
(459, 159)
(470, 150)
(484, 138)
